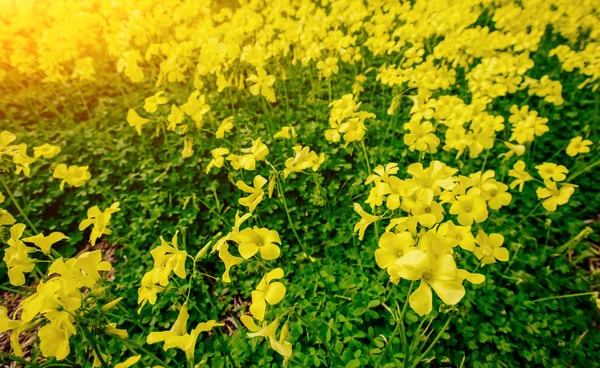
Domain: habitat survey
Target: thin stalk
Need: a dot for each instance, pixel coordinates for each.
(399, 326)
(287, 211)
(389, 342)
(487, 153)
(218, 333)
(17, 359)
(143, 350)
(321, 340)
(94, 345)
(584, 170)
(561, 297)
(529, 214)
(85, 105)
(364, 148)
(11, 290)
(12, 197)
(437, 338)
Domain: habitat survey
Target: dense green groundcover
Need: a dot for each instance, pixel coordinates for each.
(342, 295)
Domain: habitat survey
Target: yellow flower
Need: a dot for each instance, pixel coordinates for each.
(73, 175)
(44, 243)
(328, 67)
(257, 152)
(188, 150)
(148, 290)
(490, 248)
(22, 160)
(54, 337)
(225, 127)
(177, 336)
(175, 117)
(83, 271)
(550, 171)
(469, 208)
(128, 362)
(256, 193)
(554, 196)
(392, 246)
(110, 305)
(514, 149)
(518, 172)
(218, 158)
(128, 64)
(263, 84)
(5, 322)
(84, 69)
(168, 258)
(100, 220)
(229, 260)
(366, 219)
(257, 239)
(46, 150)
(196, 107)
(304, 158)
(223, 82)
(578, 145)
(16, 256)
(460, 235)
(281, 346)
(267, 291)
(112, 329)
(441, 274)
(6, 138)
(427, 183)
(421, 137)
(136, 121)
(258, 149)
(6, 218)
(16, 328)
(497, 196)
(428, 214)
(151, 103)
(286, 132)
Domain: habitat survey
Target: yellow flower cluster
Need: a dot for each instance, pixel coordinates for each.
(189, 56)
(419, 244)
(58, 299)
(346, 121)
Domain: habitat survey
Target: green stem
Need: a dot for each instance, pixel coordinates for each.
(389, 343)
(93, 343)
(558, 152)
(12, 197)
(321, 340)
(17, 359)
(143, 350)
(584, 170)
(530, 213)
(487, 153)
(560, 297)
(11, 290)
(287, 211)
(85, 105)
(399, 326)
(364, 148)
(218, 333)
(437, 338)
